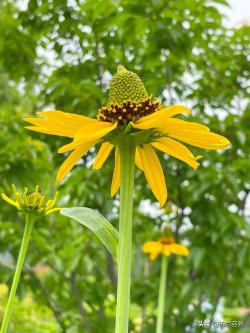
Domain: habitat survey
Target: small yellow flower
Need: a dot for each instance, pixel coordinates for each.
(129, 111)
(31, 203)
(165, 246)
(3, 290)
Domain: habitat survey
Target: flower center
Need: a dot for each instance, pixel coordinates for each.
(167, 241)
(128, 111)
(128, 99)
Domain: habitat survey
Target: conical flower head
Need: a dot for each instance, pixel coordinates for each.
(125, 86)
(128, 99)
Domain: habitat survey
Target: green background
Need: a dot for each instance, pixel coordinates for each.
(61, 54)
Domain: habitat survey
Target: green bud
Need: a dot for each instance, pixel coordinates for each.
(34, 203)
(126, 86)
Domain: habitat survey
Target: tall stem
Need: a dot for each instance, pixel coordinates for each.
(162, 295)
(22, 253)
(127, 153)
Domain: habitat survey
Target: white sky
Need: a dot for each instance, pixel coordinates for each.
(239, 12)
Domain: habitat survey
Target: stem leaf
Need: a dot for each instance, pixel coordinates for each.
(97, 223)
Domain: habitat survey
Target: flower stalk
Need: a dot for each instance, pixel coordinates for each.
(162, 295)
(127, 153)
(21, 257)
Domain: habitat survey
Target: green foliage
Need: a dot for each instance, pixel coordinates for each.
(29, 316)
(61, 54)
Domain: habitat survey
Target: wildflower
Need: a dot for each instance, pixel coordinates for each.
(165, 246)
(31, 203)
(130, 111)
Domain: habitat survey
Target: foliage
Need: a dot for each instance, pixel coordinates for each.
(62, 54)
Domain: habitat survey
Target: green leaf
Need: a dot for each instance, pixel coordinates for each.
(97, 223)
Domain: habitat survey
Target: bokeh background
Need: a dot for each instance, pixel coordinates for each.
(62, 54)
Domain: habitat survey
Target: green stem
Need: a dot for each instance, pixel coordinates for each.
(162, 295)
(127, 153)
(22, 253)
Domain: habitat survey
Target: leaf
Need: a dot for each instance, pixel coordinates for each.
(97, 223)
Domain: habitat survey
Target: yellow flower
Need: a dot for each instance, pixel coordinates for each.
(31, 203)
(129, 111)
(165, 246)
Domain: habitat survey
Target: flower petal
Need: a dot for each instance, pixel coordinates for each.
(94, 131)
(153, 172)
(9, 200)
(72, 159)
(102, 155)
(158, 117)
(58, 123)
(116, 174)
(138, 162)
(69, 146)
(177, 150)
(71, 119)
(206, 140)
(174, 124)
(154, 248)
(179, 249)
(166, 250)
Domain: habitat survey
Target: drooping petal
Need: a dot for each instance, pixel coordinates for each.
(206, 140)
(116, 174)
(94, 131)
(138, 162)
(153, 172)
(102, 155)
(58, 123)
(179, 249)
(68, 147)
(174, 124)
(158, 117)
(166, 250)
(72, 159)
(154, 248)
(177, 150)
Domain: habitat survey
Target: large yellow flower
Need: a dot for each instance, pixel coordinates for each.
(165, 246)
(130, 111)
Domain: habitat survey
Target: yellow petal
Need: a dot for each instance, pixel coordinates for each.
(71, 119)
(158, 117)
(102, 155)
(51, 203)
(154, 255)
(166, 250)
(206, 140)
(153, 248)
(149, 247)
(138, 162)
(116, 174)
(68, 147)
(58, 123)
(46, 131)
(177, 150)
(174, 124)
(72, 159)
(53, 210)
(94, 131)
(9, 200)
(153, 172)
(179, 249)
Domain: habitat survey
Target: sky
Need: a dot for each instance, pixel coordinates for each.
(239, 12)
